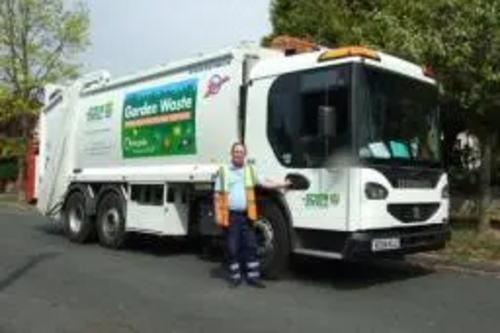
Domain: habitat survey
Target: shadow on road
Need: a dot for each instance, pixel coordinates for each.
(51, 228)
(136, 243)
(218, 272)
(24, 269)
(157, 246)
(330, 273)
(340, 275)
(350, 276)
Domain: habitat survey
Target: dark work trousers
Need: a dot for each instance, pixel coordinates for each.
(242, 249)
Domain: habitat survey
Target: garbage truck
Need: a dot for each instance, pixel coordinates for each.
(356, 131)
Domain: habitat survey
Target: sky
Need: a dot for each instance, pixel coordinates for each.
(131, 35)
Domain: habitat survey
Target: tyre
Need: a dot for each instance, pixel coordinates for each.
(272, 240)
(111, 221)
(78, 226)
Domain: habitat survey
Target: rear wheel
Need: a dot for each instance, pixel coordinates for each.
(111, 221)
(273, 240)
(77, 224)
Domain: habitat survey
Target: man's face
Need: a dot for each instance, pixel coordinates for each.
(238, 155)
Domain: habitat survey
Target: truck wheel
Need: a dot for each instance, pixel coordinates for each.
(273, 240)
(111, 221)
(77, 224)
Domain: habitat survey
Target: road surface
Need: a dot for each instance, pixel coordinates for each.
(48, 284)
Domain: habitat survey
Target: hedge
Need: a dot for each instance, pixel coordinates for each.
(11, 147)
(8, 169)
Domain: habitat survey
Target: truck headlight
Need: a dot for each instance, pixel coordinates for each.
(445, 192)
(374, 191)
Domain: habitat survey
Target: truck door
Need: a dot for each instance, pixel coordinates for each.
(299, 123)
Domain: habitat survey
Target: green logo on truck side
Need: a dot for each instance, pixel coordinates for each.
(100, 112)
(160, 121)
(321, 200)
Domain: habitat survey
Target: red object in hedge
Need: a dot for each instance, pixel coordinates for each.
(30, 176)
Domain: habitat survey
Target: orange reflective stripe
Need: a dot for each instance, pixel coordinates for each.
(222, 202)
(251, 204)
(223, 209)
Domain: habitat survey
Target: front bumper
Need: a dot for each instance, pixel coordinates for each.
(359, 245)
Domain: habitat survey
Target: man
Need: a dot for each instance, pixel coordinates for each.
(236, 211)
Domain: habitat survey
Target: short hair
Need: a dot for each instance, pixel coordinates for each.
(236, 144)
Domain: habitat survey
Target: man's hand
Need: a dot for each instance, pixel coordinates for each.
(272, 185)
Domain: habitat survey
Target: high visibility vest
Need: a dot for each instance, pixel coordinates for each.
(222, 203)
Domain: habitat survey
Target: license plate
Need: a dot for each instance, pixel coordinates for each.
(385, 244)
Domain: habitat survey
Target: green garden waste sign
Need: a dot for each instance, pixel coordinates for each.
(160, 121)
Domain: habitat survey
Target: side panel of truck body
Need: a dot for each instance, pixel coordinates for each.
(187, 112)
(109, 140)
(55, 127)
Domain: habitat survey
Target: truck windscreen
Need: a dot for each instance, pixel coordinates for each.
(398, 120)
(309, 116)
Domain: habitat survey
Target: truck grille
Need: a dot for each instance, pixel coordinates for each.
(411, 178)
(413, 183)
(408, 213)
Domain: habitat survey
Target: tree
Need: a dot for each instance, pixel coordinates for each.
(460, 39)
(39, 40)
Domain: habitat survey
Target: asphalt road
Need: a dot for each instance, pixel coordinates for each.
(48, 284)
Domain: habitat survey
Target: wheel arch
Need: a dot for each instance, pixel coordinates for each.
(87, 191)
(111, 188)
(278, 199)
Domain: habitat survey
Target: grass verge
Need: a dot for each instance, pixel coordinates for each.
(8, 197)
(467, 245)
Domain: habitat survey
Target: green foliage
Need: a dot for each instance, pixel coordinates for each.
(324, 21)
(11, 107)
(39, 40)
(8, 169)
(11, 147)
(460, 39)
(468, 246)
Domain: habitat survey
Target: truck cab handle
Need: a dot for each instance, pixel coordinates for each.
(299, 181)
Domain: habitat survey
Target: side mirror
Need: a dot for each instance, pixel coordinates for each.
(327, 121)
(299, 182)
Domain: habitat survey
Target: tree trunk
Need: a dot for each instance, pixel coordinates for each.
(20, 180)
(485, 185)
